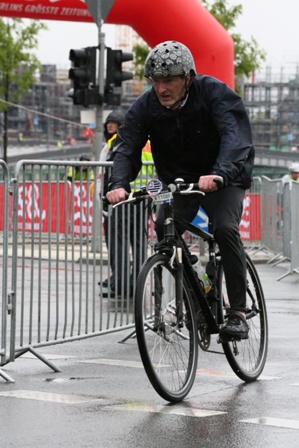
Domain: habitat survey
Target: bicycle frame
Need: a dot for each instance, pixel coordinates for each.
(175, 243)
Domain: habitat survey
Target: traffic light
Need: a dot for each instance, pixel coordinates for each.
(83, 75)
(115, 75)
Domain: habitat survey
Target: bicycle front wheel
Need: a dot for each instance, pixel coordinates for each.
(247, 357)
(167, 343)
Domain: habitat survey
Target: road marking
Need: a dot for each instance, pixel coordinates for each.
(45, 396)
(29, 355)
(115, 362)
(231, 374)
(267, 421)
(169, 410)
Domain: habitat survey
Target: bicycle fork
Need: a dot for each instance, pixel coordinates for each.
(179, 286)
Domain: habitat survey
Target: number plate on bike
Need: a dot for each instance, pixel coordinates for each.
(163, 198)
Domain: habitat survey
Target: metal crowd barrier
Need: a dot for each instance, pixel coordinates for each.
(250, 226)
(271, 217)
(59, 254)
(5, 310)
(290, 225)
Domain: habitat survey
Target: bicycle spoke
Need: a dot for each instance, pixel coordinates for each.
(168, 348)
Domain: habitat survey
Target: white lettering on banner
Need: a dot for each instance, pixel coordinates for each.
(10, 7)
(30, 196)
(40, 9)
(74, 12)
(80, 205)
(245, 219)
(245, 235)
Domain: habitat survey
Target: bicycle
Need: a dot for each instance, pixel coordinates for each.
(173, 313)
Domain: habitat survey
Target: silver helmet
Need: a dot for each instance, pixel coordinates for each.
(169, 58)
(294, 167)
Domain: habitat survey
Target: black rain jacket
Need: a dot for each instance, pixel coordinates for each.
(210, 134)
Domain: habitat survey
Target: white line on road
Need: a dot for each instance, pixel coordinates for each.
(267, 421)
(115, 362)
(169, 410)
(45, 396)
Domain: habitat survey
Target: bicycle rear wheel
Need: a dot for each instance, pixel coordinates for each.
(168, 349)
(247, 357)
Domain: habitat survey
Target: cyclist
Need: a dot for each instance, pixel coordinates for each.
(199, 131)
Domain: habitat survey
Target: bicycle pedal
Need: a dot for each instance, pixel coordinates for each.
(225, 340)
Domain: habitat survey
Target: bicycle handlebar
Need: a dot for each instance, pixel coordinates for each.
(179, 187)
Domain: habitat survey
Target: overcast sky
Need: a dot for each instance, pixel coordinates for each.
(273, 23)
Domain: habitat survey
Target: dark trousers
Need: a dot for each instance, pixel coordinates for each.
(224, 209)
(127, 230)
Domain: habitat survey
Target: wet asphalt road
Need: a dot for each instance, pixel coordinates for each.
(102, 397)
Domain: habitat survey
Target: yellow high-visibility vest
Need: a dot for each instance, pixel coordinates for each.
(147, 171)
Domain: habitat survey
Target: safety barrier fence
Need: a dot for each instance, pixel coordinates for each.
(271, 215)
(290, 223)
(54, 235)
(280, 221)
(59, 248)
(5, 309)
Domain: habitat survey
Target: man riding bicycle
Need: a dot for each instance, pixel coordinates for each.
(199, 130)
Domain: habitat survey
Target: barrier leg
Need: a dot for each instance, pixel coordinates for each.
(40, 357)
(6, 377)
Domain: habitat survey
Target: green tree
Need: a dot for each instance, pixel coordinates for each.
(18, 64)
(248, 56)
(141, 51)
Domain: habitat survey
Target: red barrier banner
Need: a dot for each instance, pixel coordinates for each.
(55, 208)
(44, 207)
(41, 210)
(2, 203)
(250, 225)
(68, 10)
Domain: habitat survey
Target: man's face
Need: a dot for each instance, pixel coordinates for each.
(294, 175)
(170, 89)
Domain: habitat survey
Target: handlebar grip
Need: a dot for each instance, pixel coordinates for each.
(219, 182)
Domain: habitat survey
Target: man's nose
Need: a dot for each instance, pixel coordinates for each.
(160, 86)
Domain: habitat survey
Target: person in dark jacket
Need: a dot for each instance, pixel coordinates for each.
(199, 131)
(112, 123)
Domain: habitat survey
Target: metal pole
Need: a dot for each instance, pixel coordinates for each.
(97, 205)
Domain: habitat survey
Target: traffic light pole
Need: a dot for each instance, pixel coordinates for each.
(97, 203)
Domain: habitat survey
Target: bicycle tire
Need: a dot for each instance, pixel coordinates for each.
(169, 353)
(247, 357)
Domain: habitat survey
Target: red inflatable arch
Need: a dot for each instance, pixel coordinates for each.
(186, 21)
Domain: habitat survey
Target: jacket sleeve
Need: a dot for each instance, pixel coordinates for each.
(232, 123)
(127, 151)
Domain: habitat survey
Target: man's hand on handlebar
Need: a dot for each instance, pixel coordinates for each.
(207, 183)
(116, 196)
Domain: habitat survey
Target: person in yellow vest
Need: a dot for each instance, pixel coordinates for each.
(76, 172)
(128, 229)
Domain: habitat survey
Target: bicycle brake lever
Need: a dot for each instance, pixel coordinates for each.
(126, 201)
(192, 192)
